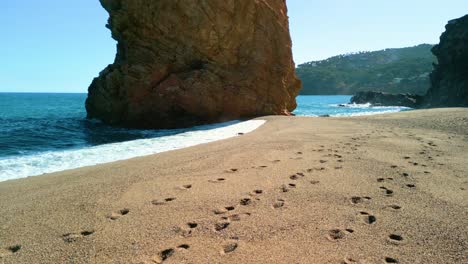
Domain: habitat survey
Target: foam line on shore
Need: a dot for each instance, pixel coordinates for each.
(53, 161)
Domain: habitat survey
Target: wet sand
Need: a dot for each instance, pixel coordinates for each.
(379, 189)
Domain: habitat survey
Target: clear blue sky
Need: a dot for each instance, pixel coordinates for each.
(59, 46)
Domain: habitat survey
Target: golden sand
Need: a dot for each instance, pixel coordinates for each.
(380, 189)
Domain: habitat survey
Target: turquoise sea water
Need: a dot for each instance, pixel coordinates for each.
(41, 133)
(337, 105)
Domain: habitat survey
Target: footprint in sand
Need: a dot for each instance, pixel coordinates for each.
(9, 250)
(118, 214)
(348, 260)
(236, 217)
(224, 210)
(294, 177)
(245, 201)
(390, 260)
(278, 204)
(218, 180)
(358, 200)
(183, 246)
(284, 188)
(316, 168)
(158, 202)
(393, 207)
(395, 239)
(221, 225)
(258, 191)
(337, 234)
(186, 186)
(367, 218)
(229, 247)
(192, 225)
(72, 237)
(164, 255)
(186, 231)
(314, 182)
(387, 191)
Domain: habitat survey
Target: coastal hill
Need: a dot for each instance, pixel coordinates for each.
(183, 63)
(448, 80)
(402, 70)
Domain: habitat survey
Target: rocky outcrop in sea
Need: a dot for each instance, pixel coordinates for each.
(449, 80)
(386, 99)
(181, 63)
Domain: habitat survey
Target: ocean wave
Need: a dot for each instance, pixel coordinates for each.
(368, 105)
(364, 113)
(52, 161)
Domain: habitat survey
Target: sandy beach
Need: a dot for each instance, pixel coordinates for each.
(373, 189)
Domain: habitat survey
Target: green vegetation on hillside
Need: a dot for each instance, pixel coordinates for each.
(404, 70)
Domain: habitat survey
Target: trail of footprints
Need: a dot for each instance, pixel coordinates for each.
(227, 214)
(369, 219)
(393, 239)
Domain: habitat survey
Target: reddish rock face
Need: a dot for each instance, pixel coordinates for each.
(181, 63)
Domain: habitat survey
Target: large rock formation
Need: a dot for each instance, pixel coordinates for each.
(449, 80)
(181, 63)
(386, 99)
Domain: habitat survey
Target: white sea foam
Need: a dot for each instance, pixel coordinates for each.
(53, 161)
(364, 113)
(367, 109)
(368, 105)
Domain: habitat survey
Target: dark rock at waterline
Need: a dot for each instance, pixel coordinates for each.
(386, 99)
(182, 63)
(449, 80)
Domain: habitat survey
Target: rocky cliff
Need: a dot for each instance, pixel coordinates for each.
(449, 80)
(181, 63)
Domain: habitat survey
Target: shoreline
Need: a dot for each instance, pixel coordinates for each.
(297, 186)
(59, 154)
(134, 148)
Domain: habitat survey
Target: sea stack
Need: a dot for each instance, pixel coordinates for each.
(449, 80)
(183, 63)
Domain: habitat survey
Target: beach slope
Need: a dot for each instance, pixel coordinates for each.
(377, 189)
